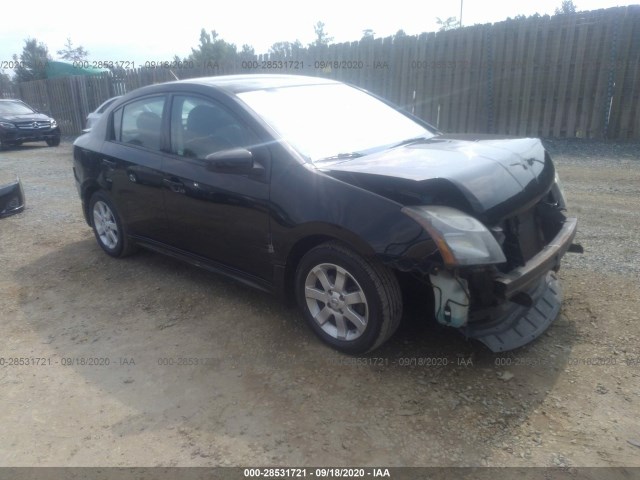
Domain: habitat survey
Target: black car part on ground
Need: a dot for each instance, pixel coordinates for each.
(11, 195)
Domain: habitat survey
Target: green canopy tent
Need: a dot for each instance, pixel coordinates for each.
(57, 69)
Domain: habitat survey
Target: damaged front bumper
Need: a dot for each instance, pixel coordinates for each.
(528, 298)
(520, 279)
(516, 325)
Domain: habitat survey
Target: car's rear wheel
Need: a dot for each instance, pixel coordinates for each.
(108, 227)
(352, 304)
(53, 141)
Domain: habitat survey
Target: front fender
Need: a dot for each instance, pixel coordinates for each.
(306, 203)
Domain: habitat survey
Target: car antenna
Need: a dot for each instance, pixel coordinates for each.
(174, 75)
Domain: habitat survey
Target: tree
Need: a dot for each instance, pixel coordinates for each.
(400, 33)
(368, 34)
(32, 63)
(73, 54)
(524, 17)
(5, 84)
(212, 50)
(567, 6)
(247, 52)
(322, 38)
(285, 49)
(448, 24)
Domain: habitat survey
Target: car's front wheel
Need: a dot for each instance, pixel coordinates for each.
(108, 227)
(351, 303)
(53, 141)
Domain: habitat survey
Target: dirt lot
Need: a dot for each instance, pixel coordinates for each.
(265, 391)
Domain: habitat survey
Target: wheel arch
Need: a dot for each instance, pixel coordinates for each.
(87, 192)
(312, 239)
(378, 288)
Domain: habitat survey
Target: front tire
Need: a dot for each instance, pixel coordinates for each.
(53, 141)
(107, 226)
(352, 304)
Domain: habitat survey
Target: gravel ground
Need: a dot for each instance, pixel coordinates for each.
(203, 371)
(603, 185)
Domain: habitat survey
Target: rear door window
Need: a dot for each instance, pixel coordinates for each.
(139, 123)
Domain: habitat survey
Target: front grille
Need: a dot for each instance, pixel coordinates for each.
(33, 125)
(527, 233)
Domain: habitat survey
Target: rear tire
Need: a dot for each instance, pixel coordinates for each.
(351, 303)
(108, 227)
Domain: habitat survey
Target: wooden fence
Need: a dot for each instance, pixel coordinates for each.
(572, 75)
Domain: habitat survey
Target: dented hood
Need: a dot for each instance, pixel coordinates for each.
(495, 176)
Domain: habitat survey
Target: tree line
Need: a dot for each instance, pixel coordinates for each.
(31, 63)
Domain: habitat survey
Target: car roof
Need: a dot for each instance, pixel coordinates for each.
(245, 83)
(229, 85)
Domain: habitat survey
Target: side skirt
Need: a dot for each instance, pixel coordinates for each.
(205, 263)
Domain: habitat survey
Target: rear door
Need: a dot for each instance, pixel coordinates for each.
(132, 164)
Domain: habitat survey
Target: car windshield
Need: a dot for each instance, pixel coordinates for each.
(14, 108)
(332, 121)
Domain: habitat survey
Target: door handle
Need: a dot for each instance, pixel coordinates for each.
(174, 185)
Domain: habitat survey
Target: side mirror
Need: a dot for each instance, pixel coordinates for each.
(234, 160)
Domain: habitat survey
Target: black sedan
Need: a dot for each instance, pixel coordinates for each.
(21, 123)
(313, 188)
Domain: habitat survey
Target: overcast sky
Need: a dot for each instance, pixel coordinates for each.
(119, 30)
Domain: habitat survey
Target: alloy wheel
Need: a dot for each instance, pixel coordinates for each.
(336, 301)
(105, 224)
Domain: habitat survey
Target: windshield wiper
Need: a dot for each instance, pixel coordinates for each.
(341, 156)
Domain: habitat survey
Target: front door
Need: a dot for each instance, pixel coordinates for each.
(220, 216)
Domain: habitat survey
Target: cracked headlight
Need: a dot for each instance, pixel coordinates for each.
(461, 239)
